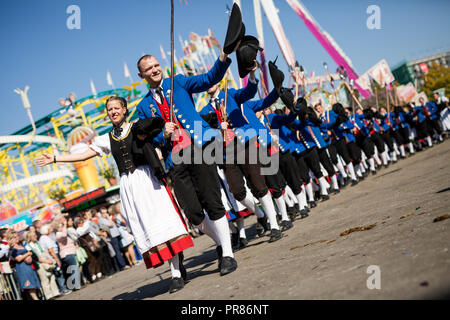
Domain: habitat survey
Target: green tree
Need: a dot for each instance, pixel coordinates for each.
(438, 76)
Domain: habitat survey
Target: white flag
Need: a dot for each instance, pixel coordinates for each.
(126, 72)
(94, 92)
(109, 79)
(163, 55)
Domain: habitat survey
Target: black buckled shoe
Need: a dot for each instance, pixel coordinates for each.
(312, 204)
(275, 235)
(290, 210)
(286, 225)
(335, 191)
(262, 226)
(304, 213)
(176, 284)
(293, 216)
(324, 197)
(354, 182)
(229, 264)
(243, 242)
(374, 172)
(292, 213)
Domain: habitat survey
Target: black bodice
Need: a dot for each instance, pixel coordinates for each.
(125, 153)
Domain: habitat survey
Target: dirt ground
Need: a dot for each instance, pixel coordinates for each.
(313, 260)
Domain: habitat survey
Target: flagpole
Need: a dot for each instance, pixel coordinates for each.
(351, 93)
(376, 92)
(171, 60)
(387, 97)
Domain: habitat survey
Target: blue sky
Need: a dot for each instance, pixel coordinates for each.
(38, 50)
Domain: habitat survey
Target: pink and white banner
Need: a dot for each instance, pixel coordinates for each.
(364, 82)
(381, 73)
(406, 93)
(277, 28)
(328, 43)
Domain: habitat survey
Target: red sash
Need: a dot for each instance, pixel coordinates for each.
(230, 134)
(274, 149)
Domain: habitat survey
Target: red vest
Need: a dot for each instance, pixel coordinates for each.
(181, 139)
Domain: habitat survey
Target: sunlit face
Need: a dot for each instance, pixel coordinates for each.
(116, 112)
(359, 111)
(383, 111)
(33, 237)
(151, 71)
(421, 100)
(14, 240)
(319, 109)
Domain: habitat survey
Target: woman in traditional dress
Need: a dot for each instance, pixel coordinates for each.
(146, 201)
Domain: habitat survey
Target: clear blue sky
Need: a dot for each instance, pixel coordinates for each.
(38, 50)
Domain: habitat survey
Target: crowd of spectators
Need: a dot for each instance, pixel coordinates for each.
(57, 257)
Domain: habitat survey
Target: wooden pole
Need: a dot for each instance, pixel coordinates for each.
(376, 95)
(353, 96)
(171, 60)
(387, 98)
(224, 107)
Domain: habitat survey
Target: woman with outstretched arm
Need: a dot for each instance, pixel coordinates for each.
(146, 201)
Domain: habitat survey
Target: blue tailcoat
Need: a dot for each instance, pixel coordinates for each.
(183, 106)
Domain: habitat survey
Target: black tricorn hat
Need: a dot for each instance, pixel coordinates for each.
(246, 54)
(235, 30)
(277, 75)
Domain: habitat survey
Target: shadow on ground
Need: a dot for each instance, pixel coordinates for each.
(195, 266)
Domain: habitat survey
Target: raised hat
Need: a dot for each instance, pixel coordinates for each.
(276, 75)
(246, 54)
(235, 30)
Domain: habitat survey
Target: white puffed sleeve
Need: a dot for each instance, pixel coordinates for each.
(101, 144)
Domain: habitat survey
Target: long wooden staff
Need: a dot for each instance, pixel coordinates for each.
(224, 106)
(171, 61)
(376, 92)
(387, 98)
(353, 96)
